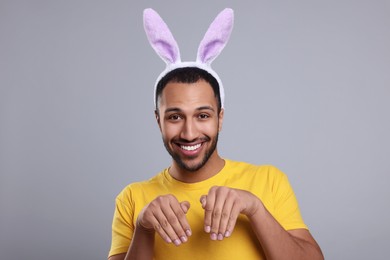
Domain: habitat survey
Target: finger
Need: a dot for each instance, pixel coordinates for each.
(232, 220)
(162, 226)
(165, 217)
(166, 222)
(182, 228)
(203, 200)
(220, 198)
(225, 217)
(208, 210)
(177, 224)
(185, 206)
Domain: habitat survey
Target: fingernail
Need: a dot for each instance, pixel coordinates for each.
(227, 234)
(207, 229)
(177, 242)
(168, 240)
(188, 232)
(213, 236)
(220, 237)
(203, 202)
(183, 239)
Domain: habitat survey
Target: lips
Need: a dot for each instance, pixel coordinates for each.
(190, 147)
(190, 150)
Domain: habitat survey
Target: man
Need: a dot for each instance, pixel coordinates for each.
(204, 206)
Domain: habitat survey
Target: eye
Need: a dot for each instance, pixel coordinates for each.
(203, 116)
(174, 117)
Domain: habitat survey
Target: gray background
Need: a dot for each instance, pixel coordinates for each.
(307, 85)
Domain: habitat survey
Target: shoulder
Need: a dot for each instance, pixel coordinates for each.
(135, 188)
(245, 167)
(262, 177)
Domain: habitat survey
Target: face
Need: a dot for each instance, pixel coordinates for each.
(189, 122)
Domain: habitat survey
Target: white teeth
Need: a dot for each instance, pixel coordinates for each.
(190, 148)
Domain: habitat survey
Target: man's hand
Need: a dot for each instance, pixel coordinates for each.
(222, 206)
(166, 216)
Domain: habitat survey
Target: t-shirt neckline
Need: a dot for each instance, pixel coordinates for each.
(214, 180)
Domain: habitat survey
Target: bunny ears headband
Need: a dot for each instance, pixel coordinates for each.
(215, 39)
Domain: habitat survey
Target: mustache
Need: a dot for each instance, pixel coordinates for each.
(185, 141)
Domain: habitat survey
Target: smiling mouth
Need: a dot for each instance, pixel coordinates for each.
(190, 147)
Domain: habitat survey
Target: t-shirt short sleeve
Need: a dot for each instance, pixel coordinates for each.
(286, 206)
(122, 224)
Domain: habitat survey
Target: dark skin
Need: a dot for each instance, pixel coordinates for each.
(189, 112)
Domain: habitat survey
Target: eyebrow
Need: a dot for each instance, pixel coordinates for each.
(176, 109)
(205, 108)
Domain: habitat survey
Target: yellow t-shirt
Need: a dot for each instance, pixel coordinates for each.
(266, 182)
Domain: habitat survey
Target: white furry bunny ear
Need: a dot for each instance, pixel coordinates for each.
(216, 37)
(160, 37)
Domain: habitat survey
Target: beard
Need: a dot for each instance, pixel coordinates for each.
(189, 167)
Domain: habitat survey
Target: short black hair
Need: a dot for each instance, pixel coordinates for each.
(188, 75)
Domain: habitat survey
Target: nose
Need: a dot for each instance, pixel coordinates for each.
(190, 131)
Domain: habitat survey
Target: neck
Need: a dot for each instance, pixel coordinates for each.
(211, 168)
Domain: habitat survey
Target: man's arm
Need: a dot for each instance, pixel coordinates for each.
(117, 257)
(141, 246)
(164, 215)
(280, 244)
(223, 205)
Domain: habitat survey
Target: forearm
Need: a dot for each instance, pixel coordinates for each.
(142, 245)
(279, 244)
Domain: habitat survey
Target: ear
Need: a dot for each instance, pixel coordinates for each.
(220, 119)
(216, 37)
(160, 37)
(157, 116)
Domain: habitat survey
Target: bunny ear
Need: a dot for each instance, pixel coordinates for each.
(216, 37)
(160, 37)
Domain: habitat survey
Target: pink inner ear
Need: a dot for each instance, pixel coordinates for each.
(160, 37)
(216, 36)
(211, 51)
